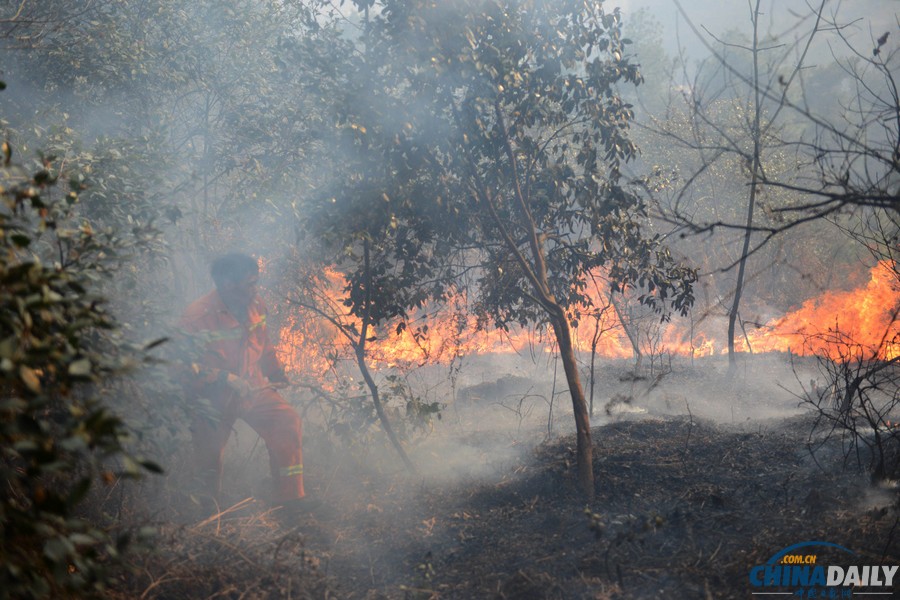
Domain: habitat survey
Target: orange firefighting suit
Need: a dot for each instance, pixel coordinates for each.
(223, 345)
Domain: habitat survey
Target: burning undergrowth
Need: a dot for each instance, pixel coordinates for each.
(442, 334)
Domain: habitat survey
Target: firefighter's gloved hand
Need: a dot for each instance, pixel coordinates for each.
(240, 385)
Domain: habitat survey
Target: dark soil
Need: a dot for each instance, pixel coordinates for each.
(684, 508)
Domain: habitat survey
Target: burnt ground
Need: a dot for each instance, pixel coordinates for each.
(684, 507)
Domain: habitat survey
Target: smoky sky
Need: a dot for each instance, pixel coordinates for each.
(872, 17)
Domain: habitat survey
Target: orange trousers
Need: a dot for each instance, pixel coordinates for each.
(276, 422)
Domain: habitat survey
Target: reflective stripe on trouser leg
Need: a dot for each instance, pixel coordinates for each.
(280, 426)
(291, 470)
(289, 483)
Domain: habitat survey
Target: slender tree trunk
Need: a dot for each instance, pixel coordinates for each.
(631, 335)
(359, 348)
(755, 167)
(584, 445)
(379, 408)
(594, 341)
(742, 266)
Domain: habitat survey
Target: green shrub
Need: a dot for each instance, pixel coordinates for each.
(57, 343)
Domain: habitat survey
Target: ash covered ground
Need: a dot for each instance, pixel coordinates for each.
(700, 477)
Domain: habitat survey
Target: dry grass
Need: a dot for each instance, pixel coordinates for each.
(241, 552)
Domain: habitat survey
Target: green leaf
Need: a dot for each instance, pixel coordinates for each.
(156, 343)
(80, 368)
(58, 549)
(8, 347)
(30, 378)
(74, 443)
(81, 539)
(151, 466)
(20, 240)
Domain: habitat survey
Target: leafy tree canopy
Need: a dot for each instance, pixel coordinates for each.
(494, 129)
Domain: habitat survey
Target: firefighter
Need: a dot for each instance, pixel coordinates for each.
(236, 369)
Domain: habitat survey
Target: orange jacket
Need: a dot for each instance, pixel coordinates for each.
(223, 345)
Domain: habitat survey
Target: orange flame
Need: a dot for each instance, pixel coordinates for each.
(864, 318)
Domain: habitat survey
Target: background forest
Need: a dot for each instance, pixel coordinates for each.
(424, 184)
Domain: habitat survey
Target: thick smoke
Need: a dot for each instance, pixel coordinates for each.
(217, 127)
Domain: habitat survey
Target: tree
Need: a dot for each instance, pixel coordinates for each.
(59, 439)
(734, 118)
(845, 149)
(838, 126)
(229, 98)
(312, 295)
(848, 146)
(755, 168)
(654, 94)
(489, 151)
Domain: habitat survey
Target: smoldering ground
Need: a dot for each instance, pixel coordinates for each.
(712, 475)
